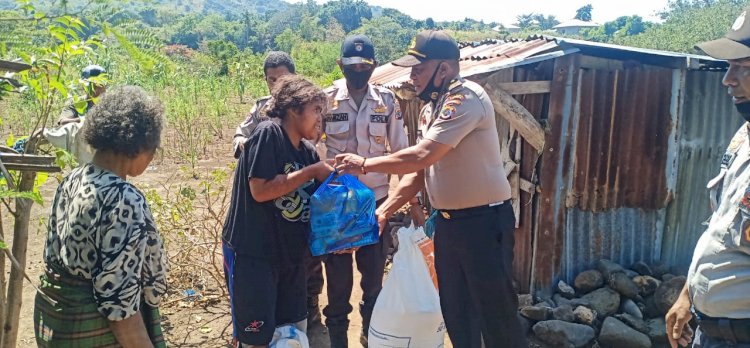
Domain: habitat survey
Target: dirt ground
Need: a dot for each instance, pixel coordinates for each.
(201, 323)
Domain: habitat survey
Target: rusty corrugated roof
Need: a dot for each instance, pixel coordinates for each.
(478, 58)
(491, 55)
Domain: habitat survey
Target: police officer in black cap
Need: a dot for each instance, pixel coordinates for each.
(458, 161)
(363, 119)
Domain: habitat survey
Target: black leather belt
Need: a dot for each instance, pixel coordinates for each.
(730, 330)
(474, 211)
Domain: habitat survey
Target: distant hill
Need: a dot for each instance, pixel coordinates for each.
(223, 7)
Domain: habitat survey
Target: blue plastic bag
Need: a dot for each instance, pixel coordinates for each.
(342, 215)
(429, 225)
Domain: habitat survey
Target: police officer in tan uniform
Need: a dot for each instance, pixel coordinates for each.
(458, 161)
(363, 119)
(276, 64)
(718, 283)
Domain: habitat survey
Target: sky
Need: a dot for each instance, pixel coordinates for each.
(506, 11)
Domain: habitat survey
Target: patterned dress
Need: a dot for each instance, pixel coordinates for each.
(105, 262)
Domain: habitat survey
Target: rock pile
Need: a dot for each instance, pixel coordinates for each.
(609, 306)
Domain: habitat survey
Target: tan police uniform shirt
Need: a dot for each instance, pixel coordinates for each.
(368, 131)
(719, 276)
(246, 128)
(472, 173)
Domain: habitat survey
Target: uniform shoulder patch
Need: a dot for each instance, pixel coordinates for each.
(450, 105)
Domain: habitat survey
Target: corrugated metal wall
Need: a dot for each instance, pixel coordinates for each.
(606, 195)
(707, 123)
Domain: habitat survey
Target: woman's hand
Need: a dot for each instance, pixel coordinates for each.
(131, 332)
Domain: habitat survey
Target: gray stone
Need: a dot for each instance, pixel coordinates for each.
(667, 277)
(580, 302)
(646, 285)
(636, 323)
(659, 270)
(651, 310)
(621, 283)
(616, 334)
(607, 268)
(560, 300)
(604, 301)
(525, 300)
(642, 268)
(629, 307)
(564, 313)
(565, 290)
(657, 330)
(667, 293)
(589, 281)
(631, 273)
(585, 315)
(536, 313)
(563, 334)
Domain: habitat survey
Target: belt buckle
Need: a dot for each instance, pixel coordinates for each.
(445, 215)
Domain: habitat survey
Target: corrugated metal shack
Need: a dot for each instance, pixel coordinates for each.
(630, 138)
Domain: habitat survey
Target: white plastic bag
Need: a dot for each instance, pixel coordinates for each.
(289, 336)
(407, 312)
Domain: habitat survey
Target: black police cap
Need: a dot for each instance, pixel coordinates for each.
(427, 45)
(357, 49)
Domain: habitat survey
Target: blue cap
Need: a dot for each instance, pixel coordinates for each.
(92, 71)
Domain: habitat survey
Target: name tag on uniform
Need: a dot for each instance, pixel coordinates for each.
(378, 118)
(727, 159)
(337, 117)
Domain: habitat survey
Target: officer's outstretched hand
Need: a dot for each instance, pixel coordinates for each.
(350, 164)
(679, 331)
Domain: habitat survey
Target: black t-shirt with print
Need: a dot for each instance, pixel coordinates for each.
(276, 230)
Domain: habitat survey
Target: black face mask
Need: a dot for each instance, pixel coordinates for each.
(357, 79)
(431, 92)
(744, 110)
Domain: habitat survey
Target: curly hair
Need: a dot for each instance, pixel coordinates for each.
(126, 120)
(293, 93)
(275, 59)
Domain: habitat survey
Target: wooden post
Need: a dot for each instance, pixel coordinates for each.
(3, 287)
(520, 118)
(20, 241)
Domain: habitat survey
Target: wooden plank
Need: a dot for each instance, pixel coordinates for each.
(8, 158)
(527, 87)
(13, 66)
(518, 116)
(32, 168)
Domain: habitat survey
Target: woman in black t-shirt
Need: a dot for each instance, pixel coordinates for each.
(265, 234)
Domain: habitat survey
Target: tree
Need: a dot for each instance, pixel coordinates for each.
(349, 13)
(429, 23)
(584, 13)
(618, 29)
(525, 21)
(391, 39)
(545, 22)
(401, 18)
(688, 25)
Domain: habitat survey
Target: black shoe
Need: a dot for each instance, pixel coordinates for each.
(338, 336)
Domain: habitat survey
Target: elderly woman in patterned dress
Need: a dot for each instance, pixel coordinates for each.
(105, 262)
